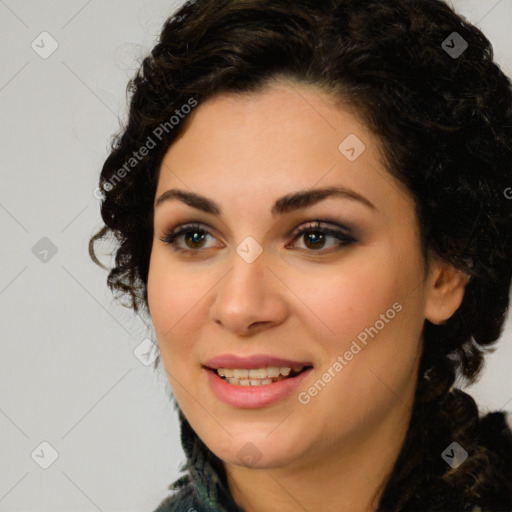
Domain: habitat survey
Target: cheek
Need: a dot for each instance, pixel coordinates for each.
(379, 354)
(347, 299)
(373, 303)
(172, 294)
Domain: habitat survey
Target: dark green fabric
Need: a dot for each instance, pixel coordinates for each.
(204, 488)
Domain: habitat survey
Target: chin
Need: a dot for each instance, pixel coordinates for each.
(255, 451)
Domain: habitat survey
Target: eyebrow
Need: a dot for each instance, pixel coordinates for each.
(285, 204)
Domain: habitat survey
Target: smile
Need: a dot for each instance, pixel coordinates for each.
(247, 392)
(258, 376)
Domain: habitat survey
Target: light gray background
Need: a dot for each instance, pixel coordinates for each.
(68, 373)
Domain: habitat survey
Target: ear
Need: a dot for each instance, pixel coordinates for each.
(445, 290)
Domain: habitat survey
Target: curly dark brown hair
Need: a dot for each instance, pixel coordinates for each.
(445, 124)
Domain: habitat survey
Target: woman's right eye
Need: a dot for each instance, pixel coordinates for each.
(198, 236)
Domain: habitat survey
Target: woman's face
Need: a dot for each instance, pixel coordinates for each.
(243, 283)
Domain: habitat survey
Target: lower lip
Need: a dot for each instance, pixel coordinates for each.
(251, 397)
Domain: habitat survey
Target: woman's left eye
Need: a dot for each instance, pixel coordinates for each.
(316, 237)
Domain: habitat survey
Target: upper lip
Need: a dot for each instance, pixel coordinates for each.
(254, 361)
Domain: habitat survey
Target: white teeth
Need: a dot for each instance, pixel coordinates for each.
(256, 376)
(250, 382)
(257, 373)
(272, 372)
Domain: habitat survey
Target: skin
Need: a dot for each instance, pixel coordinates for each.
(297, 300)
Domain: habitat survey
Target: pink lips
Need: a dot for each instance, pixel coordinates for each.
(254, 361)
(253, 397)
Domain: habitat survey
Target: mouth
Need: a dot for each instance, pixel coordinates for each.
(258, 376)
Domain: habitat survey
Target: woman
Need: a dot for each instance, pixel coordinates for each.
(309, 203)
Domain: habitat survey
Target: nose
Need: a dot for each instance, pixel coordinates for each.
(249, 298)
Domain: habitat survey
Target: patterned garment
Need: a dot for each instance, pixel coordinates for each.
(205, 488)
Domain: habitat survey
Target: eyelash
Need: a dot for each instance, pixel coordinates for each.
(171, 236)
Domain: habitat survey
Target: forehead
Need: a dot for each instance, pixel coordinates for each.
(260, 146)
